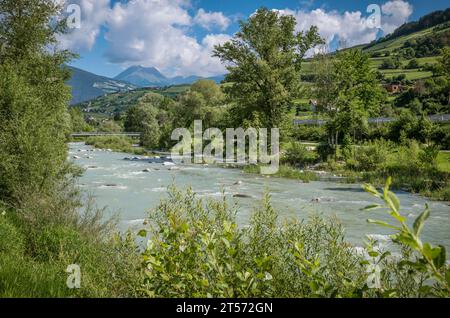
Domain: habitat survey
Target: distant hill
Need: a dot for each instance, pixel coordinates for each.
(143, 76)
(427, 21)
(110, 104)
(151, 77)
(87, 86)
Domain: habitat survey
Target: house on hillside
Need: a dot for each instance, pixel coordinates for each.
(394, 88)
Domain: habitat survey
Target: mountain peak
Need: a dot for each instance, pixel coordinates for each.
(142, 76)
(151, 77)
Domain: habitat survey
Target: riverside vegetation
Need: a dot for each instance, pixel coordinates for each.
(195, 247)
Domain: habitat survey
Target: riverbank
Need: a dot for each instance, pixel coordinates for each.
(116, 143)
(429, 182)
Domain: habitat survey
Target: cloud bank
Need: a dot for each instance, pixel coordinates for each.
(160, 33)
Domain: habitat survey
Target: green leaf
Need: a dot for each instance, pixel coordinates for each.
(371, 189)
(439, 256)
(394, 203)
(447, 277)
(420, 221)
(382, 223)
(371, 207)
(142, 233)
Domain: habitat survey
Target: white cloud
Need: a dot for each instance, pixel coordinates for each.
(395, 14)
(159, 32)
(94, 13)
(210, 19)
(352, 27)
(155, 33)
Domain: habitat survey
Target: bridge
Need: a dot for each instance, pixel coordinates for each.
(99, 134)
(378, 120)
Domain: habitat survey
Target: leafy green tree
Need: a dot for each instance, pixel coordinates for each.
(412, 64)
(33, 100)
(110, 126)
(391, 63)
(347, 93)
(203, 101)
(143, 118)
(444, 62)
(264, 62)
(210, 91)
(77, 120)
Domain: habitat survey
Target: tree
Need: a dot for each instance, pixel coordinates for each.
(264, 62)
(210, 91)
(347, 92)
(143, 118)
(33, 101)
(391, 63)
(77, 121)
(443, 67)
(203, 101)
(412, 64)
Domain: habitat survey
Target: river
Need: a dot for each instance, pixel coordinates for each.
(127, 191)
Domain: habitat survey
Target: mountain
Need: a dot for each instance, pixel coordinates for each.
(151, 77)
(143, 76)
(87, 86)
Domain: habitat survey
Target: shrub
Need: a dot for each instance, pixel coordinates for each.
(298, 155)
(115, 143)
(196, 249)
(309, 133)
(370, 156)
(325, 150)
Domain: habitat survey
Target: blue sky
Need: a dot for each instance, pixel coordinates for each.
(177, 36)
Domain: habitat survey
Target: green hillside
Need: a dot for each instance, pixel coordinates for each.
(395, 47)
(110, 104)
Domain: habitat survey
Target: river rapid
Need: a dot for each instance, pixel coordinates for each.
(130, 189)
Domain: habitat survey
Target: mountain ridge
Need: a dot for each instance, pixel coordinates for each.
(86, 85)
(151, 77)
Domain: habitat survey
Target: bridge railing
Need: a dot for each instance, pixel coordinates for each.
(378, 120)
(98, 134)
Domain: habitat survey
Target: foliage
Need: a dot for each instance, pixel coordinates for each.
(412, 64)
(264, 62)
(429, 45)
(347, 93)
(285, 171)
(391, 63)
(427, 260)
(33, 99)
(309, 133)
(371, 156)
(115, 143)
(196, 249)
(203, 101)
(298, 155)
(78, 123)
